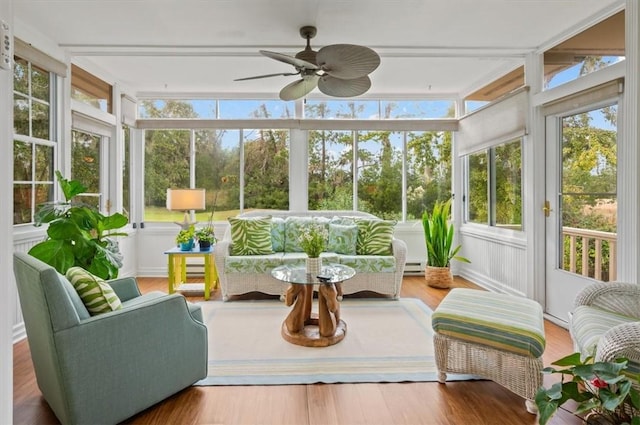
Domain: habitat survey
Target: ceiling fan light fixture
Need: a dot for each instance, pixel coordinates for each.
(339, 70)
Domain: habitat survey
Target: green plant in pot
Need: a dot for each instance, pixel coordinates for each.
(438, 235)
(603, 390)
(78, 234)
(184, 238)
(205, 237)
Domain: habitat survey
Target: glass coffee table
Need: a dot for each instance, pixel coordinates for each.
(302, 327)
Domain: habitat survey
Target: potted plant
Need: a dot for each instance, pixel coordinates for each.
(78, 234)
(205, 237)
(604, 393)
(313, 240)
(438, 235)
(184, 238)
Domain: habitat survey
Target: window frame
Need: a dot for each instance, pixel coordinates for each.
(34, 142)
(491, 189)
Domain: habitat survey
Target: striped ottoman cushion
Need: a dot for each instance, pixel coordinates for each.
(504, 322)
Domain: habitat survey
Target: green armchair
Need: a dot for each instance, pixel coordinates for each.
(103, 369)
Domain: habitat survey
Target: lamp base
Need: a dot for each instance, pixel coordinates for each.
(185, 224)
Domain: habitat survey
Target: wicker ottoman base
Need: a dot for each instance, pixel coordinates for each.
(519, 374)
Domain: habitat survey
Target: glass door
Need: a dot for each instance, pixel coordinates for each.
(581, 204)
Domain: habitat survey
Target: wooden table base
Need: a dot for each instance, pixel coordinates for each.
(321, 330)
(310, 336)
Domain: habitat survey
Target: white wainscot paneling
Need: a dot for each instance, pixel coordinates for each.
(498, 261)
(413, 235)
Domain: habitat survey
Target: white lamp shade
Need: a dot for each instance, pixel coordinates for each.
(185, 199)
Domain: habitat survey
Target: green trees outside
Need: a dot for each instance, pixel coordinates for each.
(380, 167)
(217, 165)
(589, 174)
(264, 181)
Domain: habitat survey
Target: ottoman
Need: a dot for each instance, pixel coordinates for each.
(493, 336)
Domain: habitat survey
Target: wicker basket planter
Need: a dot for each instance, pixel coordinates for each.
(438, 277)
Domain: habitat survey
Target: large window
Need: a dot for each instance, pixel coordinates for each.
(380, 173)
(34, 140)
(493, 193)
(384, 171)
(211, 159)
(331, 170)
(85, 165)
(392, 174)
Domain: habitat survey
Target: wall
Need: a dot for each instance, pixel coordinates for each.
(7, 289)
(498, 261)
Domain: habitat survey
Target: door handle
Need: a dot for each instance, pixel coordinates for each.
(547, 208)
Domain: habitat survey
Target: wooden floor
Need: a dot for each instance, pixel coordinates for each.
(468, 403)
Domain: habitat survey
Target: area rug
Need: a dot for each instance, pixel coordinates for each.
(386, 341)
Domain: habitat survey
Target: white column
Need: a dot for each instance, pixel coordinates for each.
(534, 184)
(298, 170)
(628, 153)
(7, 288)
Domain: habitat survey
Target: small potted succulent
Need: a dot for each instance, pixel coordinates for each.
(185, 239)
(205, 238)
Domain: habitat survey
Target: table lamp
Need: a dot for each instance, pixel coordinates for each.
(185, 200)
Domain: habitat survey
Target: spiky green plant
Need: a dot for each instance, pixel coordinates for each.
(438, 235)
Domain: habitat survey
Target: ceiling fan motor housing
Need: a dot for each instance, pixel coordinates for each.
(307, 55)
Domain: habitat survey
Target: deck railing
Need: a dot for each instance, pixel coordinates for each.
(590, 253)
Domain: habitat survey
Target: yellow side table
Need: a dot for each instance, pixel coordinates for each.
(177, 265)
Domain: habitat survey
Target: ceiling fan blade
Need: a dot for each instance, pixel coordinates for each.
(298, 63)
(337, 87)
(347, 61)
(299, 88)
(267, 76)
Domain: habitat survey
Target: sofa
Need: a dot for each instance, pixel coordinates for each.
(605, 323)
(379, 261)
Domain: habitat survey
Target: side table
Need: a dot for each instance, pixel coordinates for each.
(302, 327)
(177, 266)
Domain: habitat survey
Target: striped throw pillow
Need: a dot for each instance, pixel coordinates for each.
(251, 236)
(96, 294)
(374, 236)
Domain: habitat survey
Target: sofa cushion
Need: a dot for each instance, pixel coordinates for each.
(588, 324)
(374, 236)
(298, 259)
(96, 294)
(343, 238)
(250, 235)
(369, 263)
(293, 228)
(277, 234)
(252, 263)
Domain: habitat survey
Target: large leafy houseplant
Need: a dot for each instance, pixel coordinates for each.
(604, 393)
(78, 234)
(438, 236)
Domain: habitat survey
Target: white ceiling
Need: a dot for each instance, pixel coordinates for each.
(428, 48)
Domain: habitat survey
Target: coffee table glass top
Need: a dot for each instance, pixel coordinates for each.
(334, 273)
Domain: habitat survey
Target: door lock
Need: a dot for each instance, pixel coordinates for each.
(547, 208)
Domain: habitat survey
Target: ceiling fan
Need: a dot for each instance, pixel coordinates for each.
(339, 70)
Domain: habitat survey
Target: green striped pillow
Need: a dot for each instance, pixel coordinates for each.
(251, 236)
(96, 294)
(374, 236)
